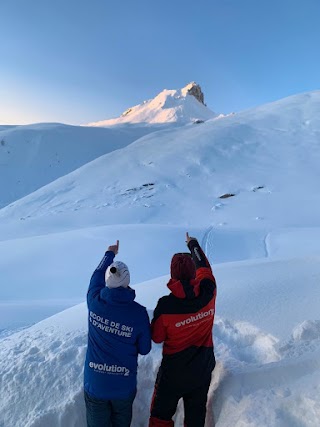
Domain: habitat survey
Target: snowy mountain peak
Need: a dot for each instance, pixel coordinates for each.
(179, 106)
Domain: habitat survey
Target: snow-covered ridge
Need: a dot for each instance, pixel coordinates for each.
(169, 106)
(32, 156)
(261, 156)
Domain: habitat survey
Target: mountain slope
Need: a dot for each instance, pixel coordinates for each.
(169, 106)
(262, 156)
(34, 155)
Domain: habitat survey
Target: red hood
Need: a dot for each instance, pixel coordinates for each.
(185, 289)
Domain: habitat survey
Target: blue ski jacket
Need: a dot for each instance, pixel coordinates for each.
(119, 330)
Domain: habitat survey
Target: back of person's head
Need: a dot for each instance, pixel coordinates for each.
(117, 275)
(182, 267)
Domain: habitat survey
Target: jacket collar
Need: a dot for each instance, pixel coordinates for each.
(184, 289)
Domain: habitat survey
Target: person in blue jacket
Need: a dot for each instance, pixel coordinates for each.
(119, 330)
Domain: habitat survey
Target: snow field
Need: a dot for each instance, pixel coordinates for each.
(32, 156)
(264, 385)
(260, 369)
(67, 260)
(258, 380)
(262, 238)
(270, 148)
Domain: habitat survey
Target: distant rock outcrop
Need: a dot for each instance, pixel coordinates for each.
(195, 90)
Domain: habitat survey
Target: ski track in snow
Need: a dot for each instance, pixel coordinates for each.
(207, 241)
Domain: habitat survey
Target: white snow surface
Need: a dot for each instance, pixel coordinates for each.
(34, 155)
(267, 157)
(263, 244)
(169, 106)
(268, 357)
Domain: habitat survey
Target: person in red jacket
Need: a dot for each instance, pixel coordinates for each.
(183, 321)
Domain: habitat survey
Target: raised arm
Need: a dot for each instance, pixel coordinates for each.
(203, 268)
(97, 282)
(197, 253)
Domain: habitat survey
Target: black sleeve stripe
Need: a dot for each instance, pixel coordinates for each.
(197, 254)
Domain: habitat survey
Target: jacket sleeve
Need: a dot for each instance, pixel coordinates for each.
(144, 338)
(158, 330)
(203, 268)
(97, 281)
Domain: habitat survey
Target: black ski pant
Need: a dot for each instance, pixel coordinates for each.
(108, 413)
(165, 400)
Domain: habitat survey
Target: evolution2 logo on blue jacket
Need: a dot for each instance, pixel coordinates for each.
(119, 330)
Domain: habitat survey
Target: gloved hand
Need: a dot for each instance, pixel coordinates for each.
(114, 248)
(188, 238)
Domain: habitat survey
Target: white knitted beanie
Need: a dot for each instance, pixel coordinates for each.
(117, 274)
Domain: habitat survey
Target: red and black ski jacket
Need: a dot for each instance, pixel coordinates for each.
(183, 321)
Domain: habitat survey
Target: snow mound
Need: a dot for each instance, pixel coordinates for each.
(246, 340)
(44, 355)
(256, 381)
(169, 106)
(307, 331)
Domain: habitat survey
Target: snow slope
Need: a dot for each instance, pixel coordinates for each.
(169, 106)
(34, 155)
(263, 243)
(67, 260)
(267, 157)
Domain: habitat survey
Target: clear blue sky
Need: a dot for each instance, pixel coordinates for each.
(80, 61)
